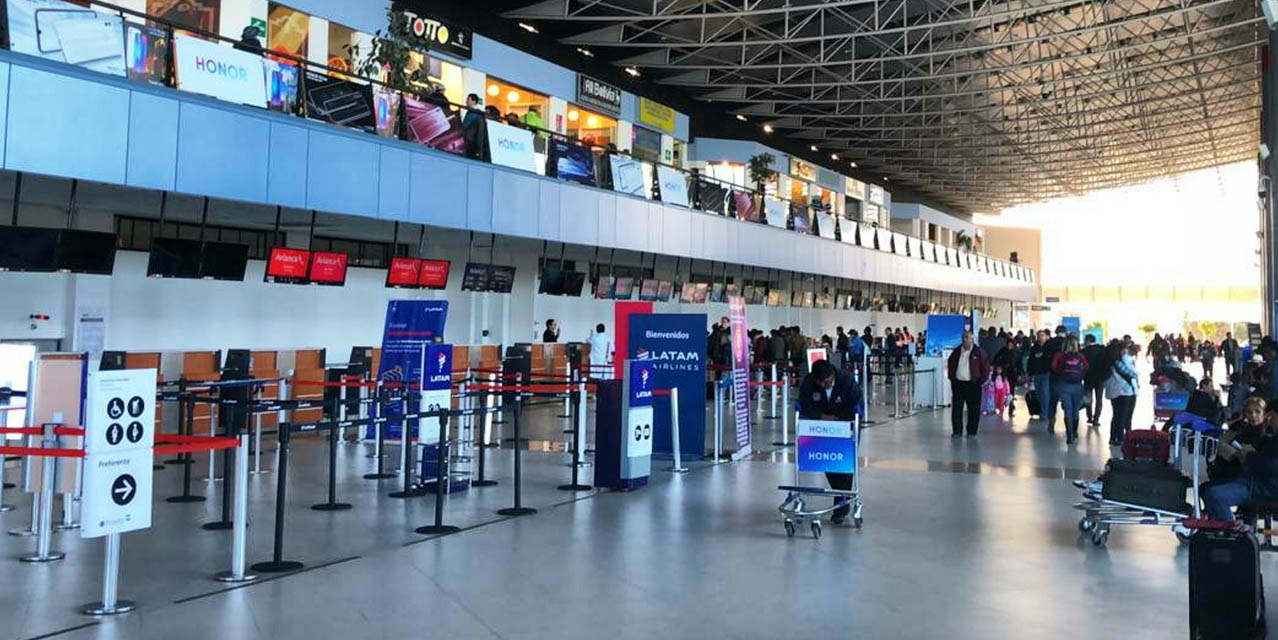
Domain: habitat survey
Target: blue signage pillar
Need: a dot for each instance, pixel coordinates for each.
(675, 343)
(411, 326)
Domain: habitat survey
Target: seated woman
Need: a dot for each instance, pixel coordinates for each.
(1257, 481)
(1246, 431)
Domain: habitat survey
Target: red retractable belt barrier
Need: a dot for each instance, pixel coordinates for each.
(775, 383)
(528, 388)
(660, 392)
(43, 452)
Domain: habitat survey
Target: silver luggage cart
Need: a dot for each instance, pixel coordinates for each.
(1190, 435)
(823, 446)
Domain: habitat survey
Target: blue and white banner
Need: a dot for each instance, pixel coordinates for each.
(944, 333)
(67, 32)
(639, 416)
(674, 186)
(675, 343)
(1073, 325)
(511, 146)
(437, 389)
(627, 175)
(826, 446)
(411, 329)
(775, 211)
(222, 72)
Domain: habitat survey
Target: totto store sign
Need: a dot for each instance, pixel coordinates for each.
(440, 36)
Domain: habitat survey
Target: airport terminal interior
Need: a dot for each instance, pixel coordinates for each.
(522, 319)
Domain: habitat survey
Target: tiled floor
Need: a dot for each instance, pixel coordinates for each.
(963, 539)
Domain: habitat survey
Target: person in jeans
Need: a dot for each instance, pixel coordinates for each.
(1229, 350)
(1098, 367)
(1258, 481)
(1039, 367)
(1069, 369)
(1121, 388)
(968, 367)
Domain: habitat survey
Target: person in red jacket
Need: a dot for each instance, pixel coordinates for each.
(968, 368)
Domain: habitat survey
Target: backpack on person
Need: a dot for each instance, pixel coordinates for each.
(1073, 368)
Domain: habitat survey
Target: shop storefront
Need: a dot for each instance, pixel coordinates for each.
(509, 99)
(663, 119)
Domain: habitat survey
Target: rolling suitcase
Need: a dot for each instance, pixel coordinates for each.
(1226, 592)
(1031, 402)
(1145, 483)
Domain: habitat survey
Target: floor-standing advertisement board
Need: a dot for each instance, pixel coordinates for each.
(411, 326)
(740, 375)
(676, 345)
(119, 436)
(437, 390)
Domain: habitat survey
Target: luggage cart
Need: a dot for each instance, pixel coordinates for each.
(823, 446)
(1190, 434)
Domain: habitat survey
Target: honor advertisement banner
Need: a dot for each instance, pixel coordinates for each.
(221, 72)
(412, 326)
(674, 187)
(511, 146)
(675, 343)
(826, 446)
(740, 374)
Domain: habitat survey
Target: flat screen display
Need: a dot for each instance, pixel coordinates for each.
(433, 125)
(688, 292)
(339, 101)
(711, 197)
(665, 290)
(86, 252)
(223, 261)
(475, 278)
(717, 293)
(328, 268)
(286, 265)
(281, 85)
(501, 279)
(403, 273)
(174, 258)
(604, 287)
(147, 54)
(433, 274)
(744, 204)
(67, 32)
(386, 109)
(648, 289)
(802, 223)
(572, 162)
(623, 288)
(627, 175)
(574, 281)
(28, 249)
(700, 293)
(551, 282)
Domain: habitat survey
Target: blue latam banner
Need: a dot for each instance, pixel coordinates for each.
(826, 446)
(944, 331)
(1073, 325)
(412, 326)
(676, 345)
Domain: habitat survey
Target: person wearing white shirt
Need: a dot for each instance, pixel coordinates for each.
(600, 353)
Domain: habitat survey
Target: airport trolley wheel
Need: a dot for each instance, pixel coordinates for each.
(1100, 536)
(789, 528)
(857, 522)
(1085, 524)
(816, 529)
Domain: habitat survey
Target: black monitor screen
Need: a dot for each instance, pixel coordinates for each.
(339, 101)
(573, 282)
(711, 197)
(224, 261)
(570, 161)
(86, 252)
(174, 258)
(28, 249)
(501, 279)
(475, 278)
(552, 282)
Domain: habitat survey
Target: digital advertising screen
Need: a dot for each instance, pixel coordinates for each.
(281, 85)
(328, 268)
(802, 223)
(648, 289)
(776, 211)
(147, 54)
(718, 293)
(665, 290)
(433, 274)
(287, 266)
(572, 162)
(627, 175)
(475, 277)
(551, 282)
(85, 252)
(623, 288)
(433, 125)
(223, 261)
(687, 292)
(501, 279)
(28, 248)
(339, 101)
(574, 281)
(174, 258)
(674, 186)
(700, 292)
(604, 287)
(403, 273)
(744, 202)
(711, 197)
(67, 32)
(386, 110)
(511, 146)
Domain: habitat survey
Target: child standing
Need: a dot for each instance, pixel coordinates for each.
(1002, 390)
(988, 396)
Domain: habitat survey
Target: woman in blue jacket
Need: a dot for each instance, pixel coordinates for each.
(1121, 388)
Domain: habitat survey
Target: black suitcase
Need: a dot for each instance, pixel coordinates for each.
(1145, 483)
(1031, 402)
(1226, 592)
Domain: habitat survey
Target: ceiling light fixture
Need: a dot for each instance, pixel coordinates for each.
(585, 52)
(632, 71)
(529, 28)
(812, 147)
(767, 128)
(834, 156)
(741, 117)
(853, 163)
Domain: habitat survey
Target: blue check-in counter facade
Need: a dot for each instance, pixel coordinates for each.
(66, 121)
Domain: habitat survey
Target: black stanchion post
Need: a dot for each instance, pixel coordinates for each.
(181, 420)
(575, 485)
(227, 466)
(406, 441)
(277, 563)
(479, 433)
(381, 473)
(188, 461)
(333, 504)
(440, 460)
(519, 509)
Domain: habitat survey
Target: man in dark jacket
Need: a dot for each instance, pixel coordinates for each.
(968, 368)
(1039, 367)
(1229, 350)
(829, 394)
(473, 127)
(1098, 370)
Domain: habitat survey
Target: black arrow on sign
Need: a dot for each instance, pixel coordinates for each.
(123, 489)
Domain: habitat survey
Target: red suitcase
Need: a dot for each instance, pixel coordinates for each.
(1147, 444)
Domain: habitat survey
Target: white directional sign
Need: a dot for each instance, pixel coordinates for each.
(119, 435)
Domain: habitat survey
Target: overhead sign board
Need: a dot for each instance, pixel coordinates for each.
(439, 35)
(803, 170)
(655, 114)
(598, 94)
(119, 436)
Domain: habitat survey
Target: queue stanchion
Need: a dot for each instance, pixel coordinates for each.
(674, 431)
(774, 379)
(34, 525)
(186, 496)
(577, 428)
(44, 524)
(379, 436)
(239, 533)
(568, 398)
(227, 465)
(406, 448)
(518, 509)
(482, 453)
(215, 411)
(277, 563)
(110, 603)
(718, 418)
(181, 420)
(439, 528)
(785, 412)
(336, 420)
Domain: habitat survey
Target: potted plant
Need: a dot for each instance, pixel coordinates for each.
(963, 241)
(390, 56)
(760, 169)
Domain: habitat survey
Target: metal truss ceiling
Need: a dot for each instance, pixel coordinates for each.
(978, 105)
